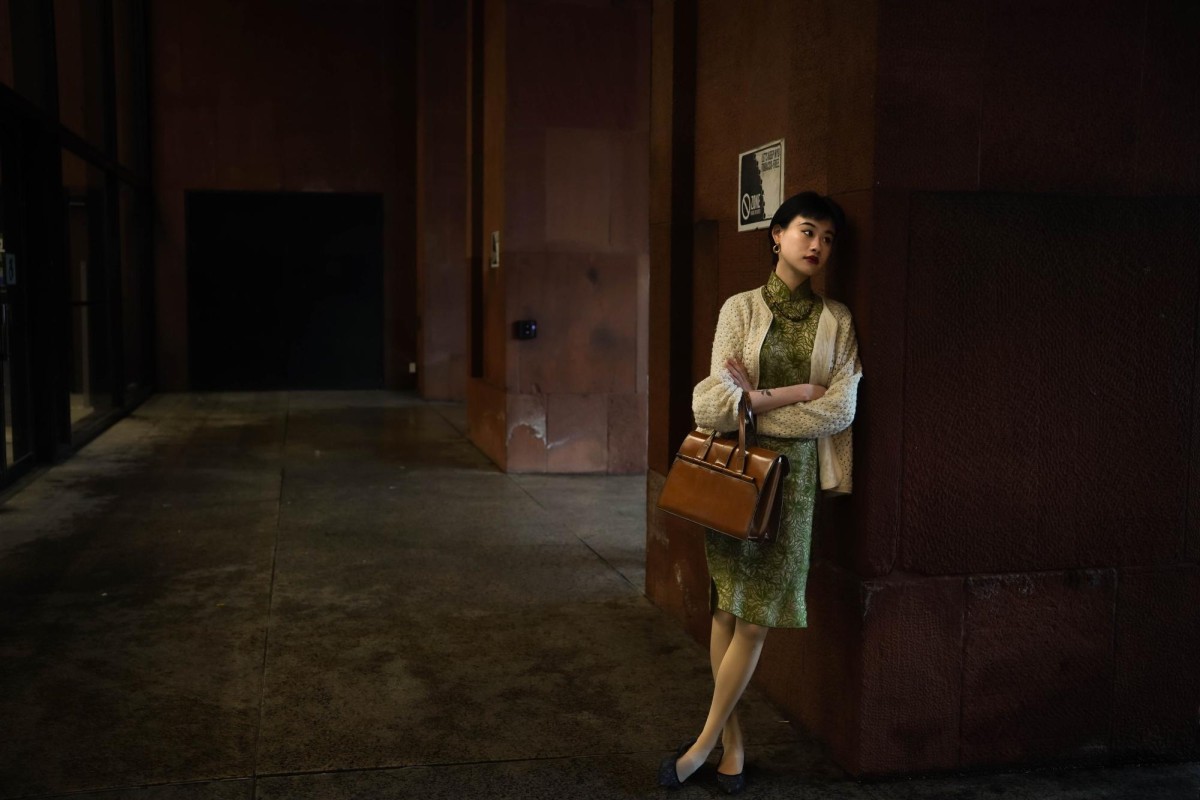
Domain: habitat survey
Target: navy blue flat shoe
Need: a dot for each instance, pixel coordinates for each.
(731, 784)
(668, 777)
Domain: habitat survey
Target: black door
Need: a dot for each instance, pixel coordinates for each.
(285, 290)
(15, 405)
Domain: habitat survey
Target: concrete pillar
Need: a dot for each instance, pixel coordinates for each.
(564, 184)
(443, 219)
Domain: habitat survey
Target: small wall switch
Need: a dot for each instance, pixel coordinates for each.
(412, 367)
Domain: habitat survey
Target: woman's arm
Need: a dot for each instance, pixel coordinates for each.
(715, 399)
(829, 414)
(762, 400)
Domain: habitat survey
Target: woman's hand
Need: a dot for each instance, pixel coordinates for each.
(737, 371)
(811, 391)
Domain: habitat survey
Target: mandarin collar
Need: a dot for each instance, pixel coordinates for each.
(793, 305)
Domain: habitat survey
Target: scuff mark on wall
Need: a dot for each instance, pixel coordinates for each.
(869, 590)
(536, 427)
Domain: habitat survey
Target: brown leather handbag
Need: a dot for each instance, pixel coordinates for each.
(727, 485)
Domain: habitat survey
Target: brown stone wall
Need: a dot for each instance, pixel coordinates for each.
(1022, 270)
(1021, 212)
(313, 96)
(443, 224)
(566, 172)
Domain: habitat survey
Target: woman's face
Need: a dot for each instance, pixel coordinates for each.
(805, 244)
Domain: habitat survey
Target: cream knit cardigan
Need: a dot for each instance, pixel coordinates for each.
(741, 328)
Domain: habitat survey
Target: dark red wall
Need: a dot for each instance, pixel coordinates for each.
(443, 225)
(309, 95)
(1015, 577)
(1078, 345)
(565, 160)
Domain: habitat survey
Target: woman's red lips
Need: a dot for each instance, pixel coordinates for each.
(811, 259)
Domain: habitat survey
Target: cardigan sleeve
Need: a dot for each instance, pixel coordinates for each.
(715, 399)
(827, 415)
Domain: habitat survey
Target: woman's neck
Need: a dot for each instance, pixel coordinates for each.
(789, 276)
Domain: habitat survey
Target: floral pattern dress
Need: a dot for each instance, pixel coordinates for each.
(764, 583)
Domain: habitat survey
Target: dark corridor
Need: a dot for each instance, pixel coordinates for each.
(285, 290)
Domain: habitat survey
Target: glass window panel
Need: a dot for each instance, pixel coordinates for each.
(14, 348)
(83, 201)
(83, 402)
(78, 31)
(135, 298)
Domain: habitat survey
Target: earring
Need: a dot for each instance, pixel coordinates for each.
(775, 249)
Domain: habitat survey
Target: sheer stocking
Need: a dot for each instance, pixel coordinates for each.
(733, 672)
(732, 744)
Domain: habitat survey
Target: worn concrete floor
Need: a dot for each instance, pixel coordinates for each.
(334, 595)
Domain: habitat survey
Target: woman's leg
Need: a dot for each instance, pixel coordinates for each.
(733, 675)
(731, 737)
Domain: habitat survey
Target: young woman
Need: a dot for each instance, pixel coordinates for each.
(793, 355)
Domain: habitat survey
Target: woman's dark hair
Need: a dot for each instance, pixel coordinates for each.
(810, 205)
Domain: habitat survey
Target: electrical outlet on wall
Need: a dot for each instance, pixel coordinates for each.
(412, 367)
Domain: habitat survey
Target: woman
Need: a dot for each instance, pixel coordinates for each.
(793, 355)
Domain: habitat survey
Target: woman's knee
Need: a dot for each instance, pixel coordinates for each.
(751, 631)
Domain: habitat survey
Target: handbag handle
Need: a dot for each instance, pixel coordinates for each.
(745, 421)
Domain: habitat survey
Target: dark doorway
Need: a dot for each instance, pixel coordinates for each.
(285, 290)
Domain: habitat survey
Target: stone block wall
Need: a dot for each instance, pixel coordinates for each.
(566, 120)
(1013, 581)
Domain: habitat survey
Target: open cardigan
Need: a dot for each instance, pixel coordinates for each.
(741, 328)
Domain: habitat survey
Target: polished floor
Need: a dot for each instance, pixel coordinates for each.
(335, 595)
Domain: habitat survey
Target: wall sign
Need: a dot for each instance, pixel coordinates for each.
(760, 185)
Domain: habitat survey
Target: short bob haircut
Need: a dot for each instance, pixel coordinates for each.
(806, 204)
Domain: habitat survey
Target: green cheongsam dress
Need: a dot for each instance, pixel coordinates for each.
(765, 583)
